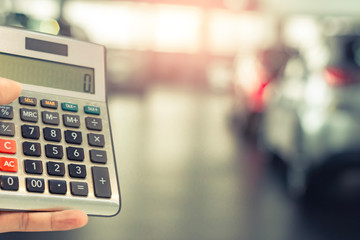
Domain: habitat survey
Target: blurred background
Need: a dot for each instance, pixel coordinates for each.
(232, 119)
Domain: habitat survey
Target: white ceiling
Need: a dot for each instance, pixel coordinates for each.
(317, 7)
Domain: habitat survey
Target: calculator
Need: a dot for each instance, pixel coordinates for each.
(56, 149)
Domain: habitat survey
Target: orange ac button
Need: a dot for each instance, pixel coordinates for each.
(7, 146)
(8, 164)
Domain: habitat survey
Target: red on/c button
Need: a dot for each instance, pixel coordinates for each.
(7, 146)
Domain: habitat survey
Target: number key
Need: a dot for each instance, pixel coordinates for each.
(77, 171)
(73, 137)
(52, 134)
(55, 168)
(54, 151)
(35, 185)
(32, 132)
(76, 154)
(33, 167)
(32, 149)
(9, 183)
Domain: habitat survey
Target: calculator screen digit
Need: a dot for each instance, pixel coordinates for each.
(47, 73)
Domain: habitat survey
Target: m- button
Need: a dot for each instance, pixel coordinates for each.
(7, 146)
(51, 118)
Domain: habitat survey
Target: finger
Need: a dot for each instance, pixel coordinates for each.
(9, 90)
(42, 221)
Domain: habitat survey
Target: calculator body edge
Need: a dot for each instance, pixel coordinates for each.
(81, 54)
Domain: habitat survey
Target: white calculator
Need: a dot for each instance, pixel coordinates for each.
(56, 149)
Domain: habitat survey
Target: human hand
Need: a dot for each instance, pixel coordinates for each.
(35, 221)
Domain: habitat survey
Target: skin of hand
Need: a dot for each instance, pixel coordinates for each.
(35, 221)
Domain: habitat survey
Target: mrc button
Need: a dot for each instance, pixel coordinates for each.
(49, 103)
(29, 115)
(27, 101)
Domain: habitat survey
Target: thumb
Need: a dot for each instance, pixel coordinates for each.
(9, 90)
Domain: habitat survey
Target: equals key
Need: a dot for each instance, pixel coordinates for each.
(98, 156)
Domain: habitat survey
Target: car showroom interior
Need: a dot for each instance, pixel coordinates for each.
(230, 119)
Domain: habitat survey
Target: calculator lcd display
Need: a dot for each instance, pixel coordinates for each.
(46, 73)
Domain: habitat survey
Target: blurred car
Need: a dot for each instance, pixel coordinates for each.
(253, 75)
(312, 120)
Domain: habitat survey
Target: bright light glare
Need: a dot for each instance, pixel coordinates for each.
(301, 31)
(177, 28)
(50, 27)
(119, 25)
(38, 8)
(230, 32)
(138, 26)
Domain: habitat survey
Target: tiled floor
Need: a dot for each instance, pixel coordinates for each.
(183, 175)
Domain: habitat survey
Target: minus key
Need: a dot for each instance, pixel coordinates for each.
(98, 156)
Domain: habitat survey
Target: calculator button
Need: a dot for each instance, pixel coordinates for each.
(35, 185)
(7, 146)
(10, 183)
(92, 110)
(71, 120)
(8, 164)
(96, 140)
(29, 115)
(6, 112)
(51, 118)
(93, 123)
(57, 187)
(7, 129)
(32, 149)
(73, 137)
(98, 156)
(69, 107)
(54, 151)
(33, 167)
(101, 182)
(55, 168)
(77, 171)
(74, 153)
(52, 134)
(79, 188)
(49, 103)
(30, 101)
(32, 132)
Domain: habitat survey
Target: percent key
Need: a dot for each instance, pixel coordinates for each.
(6, 112)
